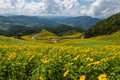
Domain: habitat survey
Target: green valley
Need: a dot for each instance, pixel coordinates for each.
(61, 53)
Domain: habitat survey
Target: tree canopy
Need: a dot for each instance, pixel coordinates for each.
(105, 27)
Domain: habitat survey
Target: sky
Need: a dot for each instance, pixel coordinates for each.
(94, 8)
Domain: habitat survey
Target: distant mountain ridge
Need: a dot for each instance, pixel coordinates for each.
(32, 21)
(82, 21)
(35, 21)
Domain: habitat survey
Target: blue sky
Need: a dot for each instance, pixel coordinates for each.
(94, 8)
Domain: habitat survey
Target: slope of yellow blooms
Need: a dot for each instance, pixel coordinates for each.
(32, 61)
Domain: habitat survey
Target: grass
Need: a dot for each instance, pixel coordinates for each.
(69, 59)
(77, 35)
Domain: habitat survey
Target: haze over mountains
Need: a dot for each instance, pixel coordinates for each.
(33, 21)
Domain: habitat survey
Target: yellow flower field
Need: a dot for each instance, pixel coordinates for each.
(25, 60)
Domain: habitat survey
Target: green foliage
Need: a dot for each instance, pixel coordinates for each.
(65, 30)
(16, 30)
(105, 27)
(24, 30)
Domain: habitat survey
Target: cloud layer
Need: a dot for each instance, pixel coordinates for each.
(102, 8)
(97, 8)
(39, 7)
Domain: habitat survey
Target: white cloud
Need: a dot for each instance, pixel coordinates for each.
(103, 8)
(69, 4)
(39, 7)
(98, 8)
(87, 0)
(83, 10)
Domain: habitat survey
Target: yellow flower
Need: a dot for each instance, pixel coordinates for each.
(96, 63)
(41, 78)
(83, 77)
(113, 57)
(103, 60)
(45, 60)
(66, 73)
(89, 59)
(102, 77)
(77, 57)
(12, 56)
(68, 64)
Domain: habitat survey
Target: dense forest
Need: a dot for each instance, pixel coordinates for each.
(20, 30)
(105, 27)
(65, 30)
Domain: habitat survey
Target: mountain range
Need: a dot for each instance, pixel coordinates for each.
(38, 21)
(82, 21)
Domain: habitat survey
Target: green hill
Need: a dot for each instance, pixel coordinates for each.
(115, 36)
(44, 34)
(105, 27)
